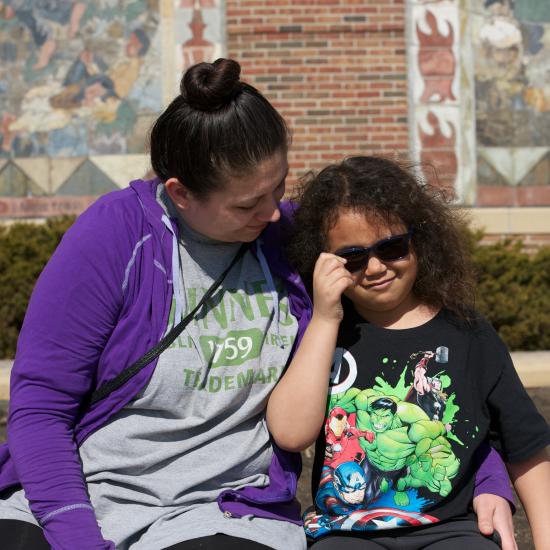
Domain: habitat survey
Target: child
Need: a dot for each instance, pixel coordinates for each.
(418, 378)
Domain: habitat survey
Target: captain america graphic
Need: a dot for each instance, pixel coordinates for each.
(343, 498)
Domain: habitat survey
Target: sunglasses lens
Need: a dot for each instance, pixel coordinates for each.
(386, 250)
(355, 260)
(393, 249)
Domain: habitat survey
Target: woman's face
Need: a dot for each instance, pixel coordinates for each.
(242, 209)
(382, 289)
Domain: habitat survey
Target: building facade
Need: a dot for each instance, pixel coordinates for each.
(460, 85)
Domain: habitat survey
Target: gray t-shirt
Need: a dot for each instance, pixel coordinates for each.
(155, 469)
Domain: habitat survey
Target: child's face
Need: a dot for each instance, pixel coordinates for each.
(382, 287)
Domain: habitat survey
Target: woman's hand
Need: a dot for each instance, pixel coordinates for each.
(494, 514)
(330, 280)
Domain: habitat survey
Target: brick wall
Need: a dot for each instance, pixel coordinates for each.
(336, 70)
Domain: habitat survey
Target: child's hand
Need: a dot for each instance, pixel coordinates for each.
(330, 279)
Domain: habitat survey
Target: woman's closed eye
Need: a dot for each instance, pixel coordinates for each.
(245, 207)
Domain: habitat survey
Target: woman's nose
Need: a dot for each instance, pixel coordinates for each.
(275, 215)
(270, 212)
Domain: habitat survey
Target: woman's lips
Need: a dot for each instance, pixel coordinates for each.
(257, 227)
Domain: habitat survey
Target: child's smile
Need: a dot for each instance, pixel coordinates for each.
(379, 286)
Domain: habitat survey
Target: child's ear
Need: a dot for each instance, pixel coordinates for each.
(180, 195)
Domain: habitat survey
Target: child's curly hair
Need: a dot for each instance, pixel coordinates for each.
(387, 192)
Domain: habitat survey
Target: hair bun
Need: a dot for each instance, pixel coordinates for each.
(210, 86)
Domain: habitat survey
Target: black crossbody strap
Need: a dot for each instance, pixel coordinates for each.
(174, 332)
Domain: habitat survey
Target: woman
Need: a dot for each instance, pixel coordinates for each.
(179, 455)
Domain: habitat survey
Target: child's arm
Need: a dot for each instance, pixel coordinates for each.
(296, 407)
(522, 431)
(531, 479)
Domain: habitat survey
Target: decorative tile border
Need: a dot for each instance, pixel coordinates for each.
(441, 132)
(42, 207)
(123, 169)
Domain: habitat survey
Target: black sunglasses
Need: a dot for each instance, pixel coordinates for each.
(388, 250)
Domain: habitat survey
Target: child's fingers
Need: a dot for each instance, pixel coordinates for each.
(329, 297)
(327, 262)
(330, 280)
(335, 279)
(330, 267)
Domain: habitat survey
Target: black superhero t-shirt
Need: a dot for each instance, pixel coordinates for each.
(407, 410)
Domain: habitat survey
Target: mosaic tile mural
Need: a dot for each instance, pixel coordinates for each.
(81, 84)
(480, 97)
(512, 91)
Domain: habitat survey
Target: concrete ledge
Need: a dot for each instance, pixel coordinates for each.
(510, 220)
(5, 369)
(533, 368)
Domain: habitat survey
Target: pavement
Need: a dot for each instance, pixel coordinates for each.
(533, 369)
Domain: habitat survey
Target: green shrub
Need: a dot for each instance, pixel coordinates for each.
(514, 292)
(513, 286)
(24, 250)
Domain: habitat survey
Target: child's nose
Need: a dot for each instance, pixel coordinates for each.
(374, 266)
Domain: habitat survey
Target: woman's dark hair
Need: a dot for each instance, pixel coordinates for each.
(389, 193)
(218, 126)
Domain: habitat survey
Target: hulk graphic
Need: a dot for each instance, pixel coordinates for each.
(408, 449)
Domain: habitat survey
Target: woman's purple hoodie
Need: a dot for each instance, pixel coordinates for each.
(101, 302)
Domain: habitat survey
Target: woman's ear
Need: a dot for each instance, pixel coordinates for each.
(180, 195)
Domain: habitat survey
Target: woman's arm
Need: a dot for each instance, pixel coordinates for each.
(296, 407)
(70, 317)
(493, 500)
(531, 479)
